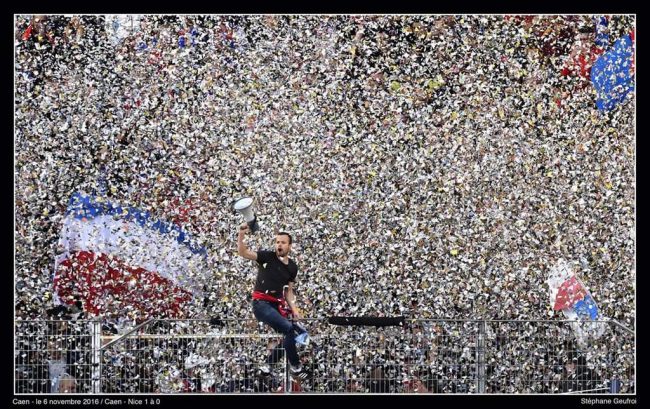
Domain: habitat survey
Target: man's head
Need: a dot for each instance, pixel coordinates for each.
(67, 384)
(283, 242)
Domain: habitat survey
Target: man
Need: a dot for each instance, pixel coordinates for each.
(579, 377)
(276, 271)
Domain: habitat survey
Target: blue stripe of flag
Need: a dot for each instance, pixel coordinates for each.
(81, 206)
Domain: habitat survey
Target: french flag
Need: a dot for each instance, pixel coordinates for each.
(119, 258)
(573, 295)
(569, 295)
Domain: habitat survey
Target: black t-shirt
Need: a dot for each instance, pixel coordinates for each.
(273, 274)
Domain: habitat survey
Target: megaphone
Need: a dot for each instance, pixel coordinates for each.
(245, 207)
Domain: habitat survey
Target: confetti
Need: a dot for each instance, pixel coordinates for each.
(373, 138)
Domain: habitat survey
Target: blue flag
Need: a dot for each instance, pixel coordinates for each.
(612, 76)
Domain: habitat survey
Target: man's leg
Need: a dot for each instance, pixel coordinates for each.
(298, 334)
(290, 347)
(268, 313)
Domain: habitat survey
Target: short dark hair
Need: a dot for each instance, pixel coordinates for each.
(284, 233)
(586, 29)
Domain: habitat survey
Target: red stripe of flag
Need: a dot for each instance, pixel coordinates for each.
(101, 280)
(569, 292)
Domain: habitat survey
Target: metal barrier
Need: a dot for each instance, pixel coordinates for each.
(54, 356)
(423, 356)
(543, 357)
(181, 356)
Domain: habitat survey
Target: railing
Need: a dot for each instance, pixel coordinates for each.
(54, 356)
(423, 356)
(543, 357)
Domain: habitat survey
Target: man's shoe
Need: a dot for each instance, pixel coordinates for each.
(300, 373)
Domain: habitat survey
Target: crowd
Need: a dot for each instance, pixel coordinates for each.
(426, 166)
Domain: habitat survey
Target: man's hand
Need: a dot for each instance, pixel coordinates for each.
(296, 314)
(242, 249)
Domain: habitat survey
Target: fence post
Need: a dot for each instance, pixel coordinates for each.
(480, 358)
(96, 377)
(287, 378)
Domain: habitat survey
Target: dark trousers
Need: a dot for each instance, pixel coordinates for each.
(268, 313)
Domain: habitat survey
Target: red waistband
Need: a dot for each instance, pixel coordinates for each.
(258, 295)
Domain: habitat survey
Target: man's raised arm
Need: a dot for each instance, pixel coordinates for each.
(242, 248)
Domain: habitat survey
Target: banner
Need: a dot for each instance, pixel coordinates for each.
(569, 295)
(613, 74)
(121, 259)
